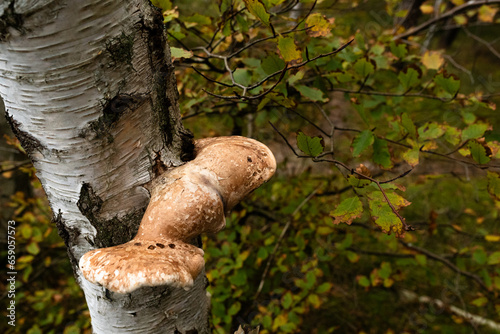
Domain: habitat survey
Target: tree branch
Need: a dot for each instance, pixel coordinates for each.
(446, 262)
(452, 12)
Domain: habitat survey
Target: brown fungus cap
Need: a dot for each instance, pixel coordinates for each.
(185, 202)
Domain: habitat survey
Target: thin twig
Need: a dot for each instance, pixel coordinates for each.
(261, 82)
(319, 158)
(482, 41)
(444, 16)
(280, 238)
(16, 166)
(446, 262)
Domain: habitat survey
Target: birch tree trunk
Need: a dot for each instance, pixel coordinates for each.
(90, 92)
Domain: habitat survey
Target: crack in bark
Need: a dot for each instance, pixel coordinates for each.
(28, 142)
(110, 232)
(69, 236)
(10, 19)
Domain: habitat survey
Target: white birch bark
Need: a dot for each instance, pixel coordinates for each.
(89, 90)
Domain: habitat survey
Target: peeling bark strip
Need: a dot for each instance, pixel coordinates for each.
(185, 202)
(90, 91)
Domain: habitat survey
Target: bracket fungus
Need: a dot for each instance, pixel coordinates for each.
(185, 202)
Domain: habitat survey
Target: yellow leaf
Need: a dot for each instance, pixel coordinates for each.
(492, 238)
(318, 25)
(469, 211)
(288, 49)
(411, 156)
(7, 175)
(427, 9)
(487, 13)
(279, 321)
(258, 9)
(432, 60)
(169, 15)
(458, 2)
(460, 19)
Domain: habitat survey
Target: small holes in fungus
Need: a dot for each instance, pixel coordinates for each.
(160, 245)
(171, 245)
(151, 247)
(137, 244)
(249, 159)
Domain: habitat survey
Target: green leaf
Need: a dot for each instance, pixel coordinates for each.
(431, 130)
(348, 210)
(381, 153)
(287, 300)
(399, 50)
(311, 146)
(478, 152)
(33, 248)
(480, 256)
(262, 253)
(288, 49)
(324, 287)
(479, 302)
(474, 131)
(235, 308)
(239, 278)
(180, 53)
(272, 64)
(362, 141)
(410, 77)
(258, 10)
(314, 300)
(494, 184)
(363, 281)
(346, 243)
(412, 156)
(34, 330)
(382, 213)
(198, 18)
(450, 83)
(162, 4)
(314, 94)
(242, 76)
(357, 183)
(494, 258)
(296, 77)
(452, 135)
(364, 67)
(409, 126)
(421, 259)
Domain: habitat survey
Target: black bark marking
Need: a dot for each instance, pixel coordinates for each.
(159, 166)
(69, 236)
(187, 145)
(110, 232)
(160, 245)
(121, 49)
(171, 246)
(28, 142)
(10, 19)
(112, 110)
(165, 93)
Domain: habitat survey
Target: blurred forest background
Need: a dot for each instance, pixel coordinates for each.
(383, 216)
